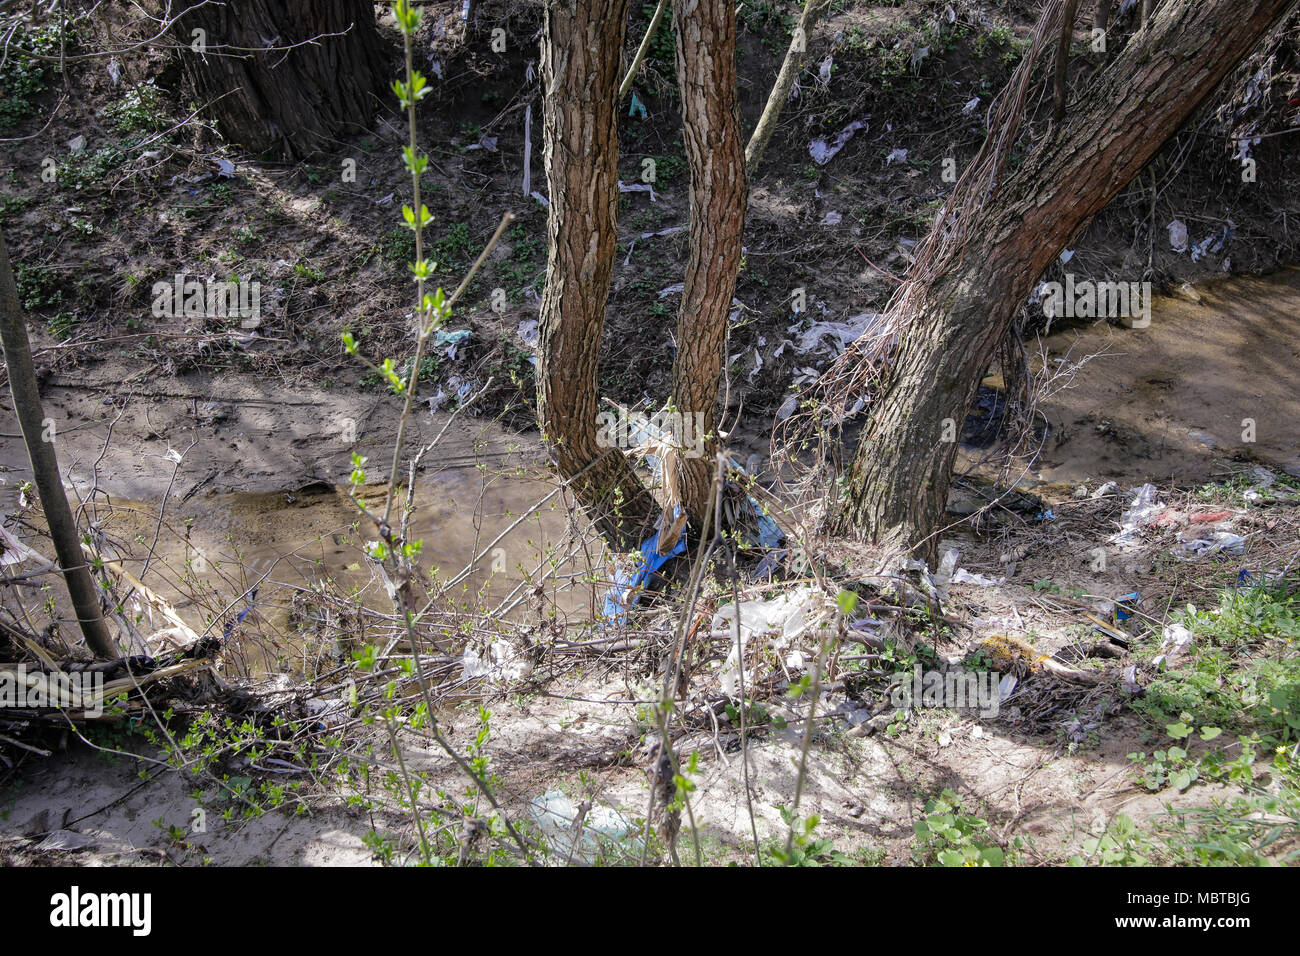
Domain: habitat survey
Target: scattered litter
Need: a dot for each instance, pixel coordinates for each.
(502, 664)
(540, 198)
(527, 332)
(672, 290)
(962, 576)
(823, 152)
(488, 143)
(1175, 642)
(1123, 609)
(637, 188)
(13, 552)
(1067, 255)
(77, 144)
(837, 335)
(225, 169)
(1178, 238)
(971, 105)
(637, 108)
(1143, 511)
(557, 818)
(1104, 490)
(832, 218)
(1220, 542)
(898, 155)
(790, 616)
(1129, 680)
(451, 339)
(631, 576)
(824, 70)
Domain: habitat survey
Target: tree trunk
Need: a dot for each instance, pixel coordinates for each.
(776, 100)
(45, 467)
(706, 71)
(286, 104)
(899, 478)
(582, 44)
(1063, 60)
(1101, 15)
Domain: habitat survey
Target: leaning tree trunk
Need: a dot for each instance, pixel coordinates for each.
(776, 99)
(900, 475)
(284, 80)
(582, 44)
(706, 72)
(45, 467)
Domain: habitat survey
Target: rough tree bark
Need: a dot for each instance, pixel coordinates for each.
(45, 467)
(582, 43)
(706, 73)
(287, 104)
(899, 479)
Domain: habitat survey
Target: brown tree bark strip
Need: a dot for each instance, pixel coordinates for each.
(45, 467)
(288, 104)
(1063, 60)
(706, 72)
(581, 47)
(900, 476)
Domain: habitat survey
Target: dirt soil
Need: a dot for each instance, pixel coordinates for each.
(262, 421)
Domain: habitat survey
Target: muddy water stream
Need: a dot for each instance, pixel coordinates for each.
(1215, 377)
(212, 551)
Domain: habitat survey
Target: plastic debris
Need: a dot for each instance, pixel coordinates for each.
(1178, 238)
(527, 332)
(971, 106)
(451, 339)
(557, 817)
(824, 70)
(898, 155)
(637, 108)
(13, 552)
(1174, 643)
(962, 576)
(1104, 490)
(501, 664)
(823, 152)
(1123, 609)
(1143, 511)
(1224, 542)
(788, 617)
(638, 188)
(837, 335)
(630, 577)
(832, 218)
(1129, 680)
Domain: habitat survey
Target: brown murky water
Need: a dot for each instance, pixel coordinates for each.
(1214, 377)
(1212, 384)
(213, 550)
